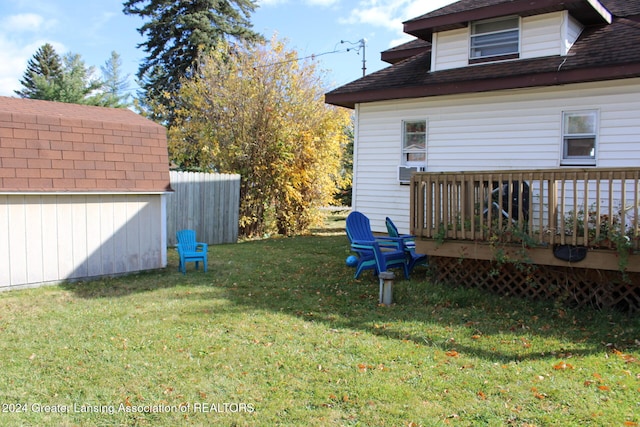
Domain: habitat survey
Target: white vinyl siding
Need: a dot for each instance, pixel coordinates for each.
(53, 238)
(571, 31)
(541, 35)
(451, 49)
(519, 129)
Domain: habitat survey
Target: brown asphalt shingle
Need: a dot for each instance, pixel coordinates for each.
(602, 52)
(57, 147)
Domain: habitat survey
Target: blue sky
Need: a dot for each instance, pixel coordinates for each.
(95, 28)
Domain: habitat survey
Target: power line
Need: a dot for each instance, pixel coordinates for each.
(302, 58)
(360, 43)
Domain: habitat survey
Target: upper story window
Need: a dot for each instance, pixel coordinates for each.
(579, 137)
(414, 142)
(495, 38)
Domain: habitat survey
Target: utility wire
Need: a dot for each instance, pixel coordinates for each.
(316, 55)
(302, 58)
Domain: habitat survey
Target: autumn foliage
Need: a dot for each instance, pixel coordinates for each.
(258, 111)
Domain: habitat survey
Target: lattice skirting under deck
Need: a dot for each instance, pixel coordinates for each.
(571, 286)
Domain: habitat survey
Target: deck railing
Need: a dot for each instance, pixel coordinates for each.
(595, 208)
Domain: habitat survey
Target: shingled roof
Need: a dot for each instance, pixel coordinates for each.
(602, 52)
(56, 147)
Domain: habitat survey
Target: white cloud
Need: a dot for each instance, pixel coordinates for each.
(385, 14)
(419, 8)
(267, 3)
(391, 13)
(25, 22)
(322, 3)
(14, 56)
(19, 40)
(13, 62)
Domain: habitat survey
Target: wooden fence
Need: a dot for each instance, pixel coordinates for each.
(204, 202)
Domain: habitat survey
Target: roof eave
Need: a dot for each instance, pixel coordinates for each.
(393, 57)
(424, 27)
(602, 11)
(583, 75)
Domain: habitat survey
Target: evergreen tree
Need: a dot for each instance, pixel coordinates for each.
(77, 84)
(43, 70)
(115, 86)
(66, 79)
(178, 32)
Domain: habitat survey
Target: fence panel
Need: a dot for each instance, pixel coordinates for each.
(205, 202)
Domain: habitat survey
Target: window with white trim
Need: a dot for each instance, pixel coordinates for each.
(495, 38)
(414, 142)
(579, 137)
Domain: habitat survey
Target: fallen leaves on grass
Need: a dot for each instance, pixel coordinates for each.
(362, 367)
(626, 357)
(599, 380)
(537, 394)
(562, 366)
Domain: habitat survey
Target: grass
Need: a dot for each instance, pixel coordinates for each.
(279, 333)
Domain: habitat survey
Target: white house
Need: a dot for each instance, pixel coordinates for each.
(82, 192)
(497, 85)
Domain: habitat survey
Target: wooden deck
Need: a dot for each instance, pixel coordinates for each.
(521, 218)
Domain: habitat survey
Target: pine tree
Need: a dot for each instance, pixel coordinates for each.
(115, 85)
(178, 32)
(77, 84)
(67, 79)
(43, 70)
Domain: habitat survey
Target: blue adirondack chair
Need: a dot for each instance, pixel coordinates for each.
(190, 250)
(374, 253)
(409, 243)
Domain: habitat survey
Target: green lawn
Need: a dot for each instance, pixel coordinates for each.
(279, 333)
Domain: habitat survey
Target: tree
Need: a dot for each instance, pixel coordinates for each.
(77, 84)
(115, 86)
(43, 70)
(343, 198)
(260, 112)
(65, 79)
(178, 33)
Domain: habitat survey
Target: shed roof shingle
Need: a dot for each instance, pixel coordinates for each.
(56, 147)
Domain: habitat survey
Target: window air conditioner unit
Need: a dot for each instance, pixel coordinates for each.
(404, 172)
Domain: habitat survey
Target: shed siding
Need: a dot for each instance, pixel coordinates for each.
(519, 129)
(52, 238)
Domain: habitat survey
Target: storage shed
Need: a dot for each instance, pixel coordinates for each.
(82, 192)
